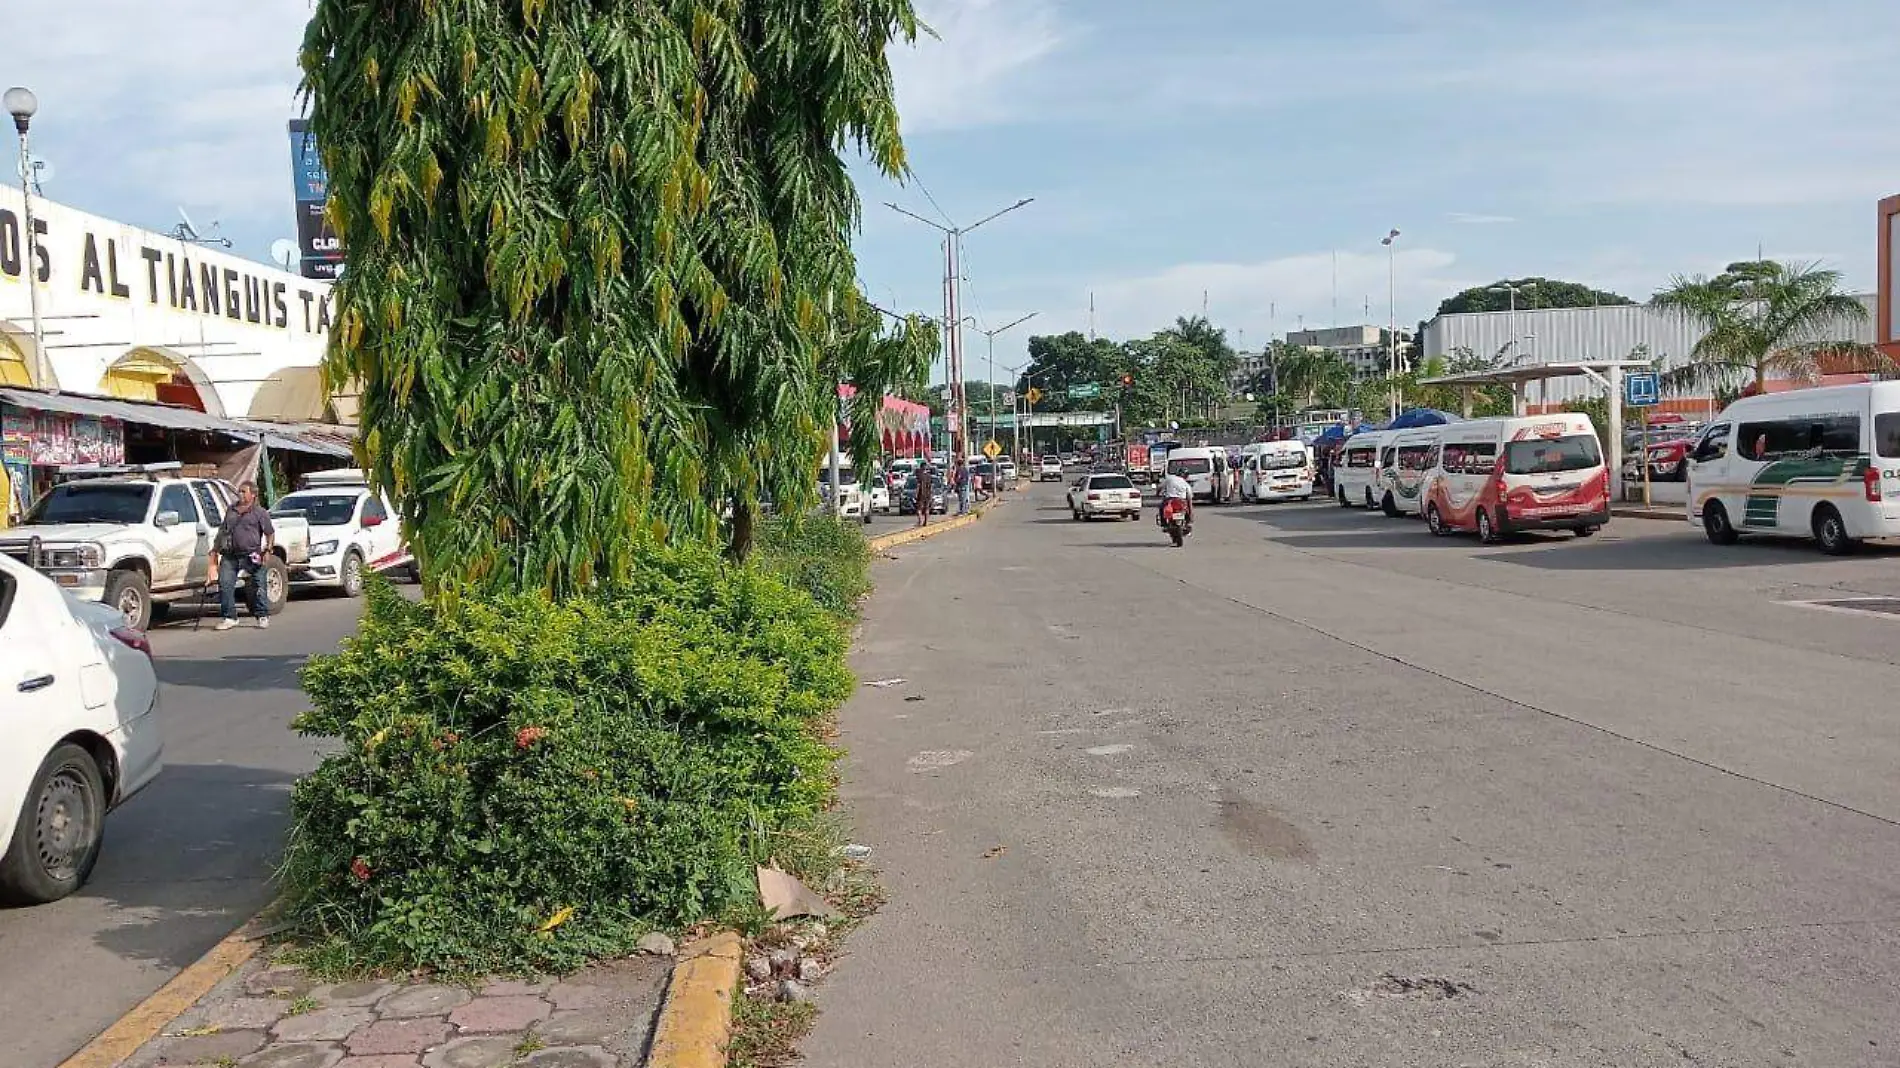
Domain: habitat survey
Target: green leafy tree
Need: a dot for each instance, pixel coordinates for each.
(1316, 377)
(1533, 293)
(1762, 317)
(1058, 362)
(600, 280)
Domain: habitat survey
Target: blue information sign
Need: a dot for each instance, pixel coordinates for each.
(1642, 389)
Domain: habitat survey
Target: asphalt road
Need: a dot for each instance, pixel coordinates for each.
(1319, 789)
(187, 860)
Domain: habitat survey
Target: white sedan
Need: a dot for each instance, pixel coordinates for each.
(1094, 495)
(79, 693)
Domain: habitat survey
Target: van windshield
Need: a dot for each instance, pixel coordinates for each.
(1274, 461)
(1191, 465)
(1543, 456)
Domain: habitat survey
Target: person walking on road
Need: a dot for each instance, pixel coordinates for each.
(960, 481)
(244, 539)
(926, 476)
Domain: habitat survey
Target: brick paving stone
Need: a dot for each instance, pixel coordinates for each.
(322, 1025)
(487, 1052)
(280, 982)
(381, 1060)
(490, 1015)
(397, 1036)
(209, 1049)
(580, 1027)
(296, 1055)
(241, 1014)
(426, 1000)
(507, 988)
(581, 996)
(572, 1057)
(353, 995)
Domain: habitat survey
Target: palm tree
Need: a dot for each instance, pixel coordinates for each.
(1315, 376)
(1767, 317)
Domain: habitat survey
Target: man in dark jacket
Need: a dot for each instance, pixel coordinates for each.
(244, 539)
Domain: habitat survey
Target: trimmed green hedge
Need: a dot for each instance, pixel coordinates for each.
(525, 785)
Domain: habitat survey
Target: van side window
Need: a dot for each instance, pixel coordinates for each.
(1801, 437)
(1714, 444)
(1887, 435)
(1481, 458)
(1454, 459)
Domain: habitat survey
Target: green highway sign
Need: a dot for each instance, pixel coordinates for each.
(1085, 391)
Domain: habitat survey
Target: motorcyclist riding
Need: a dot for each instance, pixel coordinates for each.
(1175, 487)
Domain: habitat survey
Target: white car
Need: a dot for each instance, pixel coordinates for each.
(1049, 470)
(78, 693)
(880, 497)
(1114, 495)
(1007, 468)
(852, 498)
(353, 532)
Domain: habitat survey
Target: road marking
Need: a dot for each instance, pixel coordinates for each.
(933, 759)
(1852, 606)
(1114, 793)
(1108, 750)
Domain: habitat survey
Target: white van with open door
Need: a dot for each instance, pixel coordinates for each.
(1496, 476)
(1206, 470)
(1277, 471)
(1402, 483)
(1814, 463)
(1356, 474)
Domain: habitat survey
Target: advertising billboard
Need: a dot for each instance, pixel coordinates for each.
(320, 251)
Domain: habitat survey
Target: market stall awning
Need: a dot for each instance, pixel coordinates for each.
(172, 418)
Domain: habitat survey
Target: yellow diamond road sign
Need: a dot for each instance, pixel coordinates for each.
(1034, 395)
(991, 449)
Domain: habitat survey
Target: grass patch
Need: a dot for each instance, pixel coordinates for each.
(766, 1033)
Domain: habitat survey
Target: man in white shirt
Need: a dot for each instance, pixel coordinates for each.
(1176, 487)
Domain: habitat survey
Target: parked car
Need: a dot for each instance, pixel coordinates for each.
(853, 502)
(1112, 495)
(907, 500)
(353, 532)
(81, 734)
(880, 497)
(1008, 470)
(139, 539)
(1049, 470)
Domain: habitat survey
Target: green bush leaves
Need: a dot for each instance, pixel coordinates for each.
(523, 784)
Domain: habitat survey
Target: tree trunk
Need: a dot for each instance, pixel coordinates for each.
(744, 520)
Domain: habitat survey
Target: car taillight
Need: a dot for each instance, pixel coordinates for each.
(134, 639)
(1605, 482)
(1095, 496)
(1870, 480)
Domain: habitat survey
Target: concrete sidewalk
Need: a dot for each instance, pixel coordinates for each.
(268, 1015)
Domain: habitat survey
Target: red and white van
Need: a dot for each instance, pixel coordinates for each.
(1496, 476)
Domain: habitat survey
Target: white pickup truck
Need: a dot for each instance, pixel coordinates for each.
(141, 540)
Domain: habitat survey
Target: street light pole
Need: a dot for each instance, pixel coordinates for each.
(953, 313)
(23, 105)
(991, 336)
(1392, 327)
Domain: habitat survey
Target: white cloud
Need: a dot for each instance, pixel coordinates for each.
(971, 72)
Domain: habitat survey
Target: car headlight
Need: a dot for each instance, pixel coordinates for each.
(76, 556)
(323, 548)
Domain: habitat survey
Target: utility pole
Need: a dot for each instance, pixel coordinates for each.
(991, 336)
(1392, 328)
(953, 315)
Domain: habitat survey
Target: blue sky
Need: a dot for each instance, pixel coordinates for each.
(1225, 147)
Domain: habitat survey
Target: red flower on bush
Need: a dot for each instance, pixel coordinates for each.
(527, 736)
(360, 868)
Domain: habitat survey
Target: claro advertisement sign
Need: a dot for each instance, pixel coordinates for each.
(320, 250)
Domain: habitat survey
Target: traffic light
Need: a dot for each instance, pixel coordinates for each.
(1128, 380)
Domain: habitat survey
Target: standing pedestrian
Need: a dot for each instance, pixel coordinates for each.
(961, 483)
(926, 475)
(244, 539)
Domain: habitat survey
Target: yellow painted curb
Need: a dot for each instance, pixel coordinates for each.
(696, 1021)
(150, 1016)
(905, 537)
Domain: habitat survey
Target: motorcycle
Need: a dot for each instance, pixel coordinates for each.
(1173, 518)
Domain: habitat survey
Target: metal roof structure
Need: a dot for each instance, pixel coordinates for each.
(1605, 373)
(298, 438)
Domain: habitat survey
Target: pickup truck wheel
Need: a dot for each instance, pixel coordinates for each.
(275, 575)
(61, 823)
(352, 575)
(130, 592)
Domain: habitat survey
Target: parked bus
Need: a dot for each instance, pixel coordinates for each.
(1497, 476)
(1356, 475)
(1817, 463)
(1276, 471)
(1402, 480)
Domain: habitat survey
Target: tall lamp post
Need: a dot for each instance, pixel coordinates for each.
(1513, 290)
(23, 105)
(990, 335)
(953, 310)
(1392, 327)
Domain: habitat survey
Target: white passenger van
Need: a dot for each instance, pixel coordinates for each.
(1820, 463)
(1413, 454)
(1206, 471)
(1497, 476)
(1277, 471)
(1356, 474)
